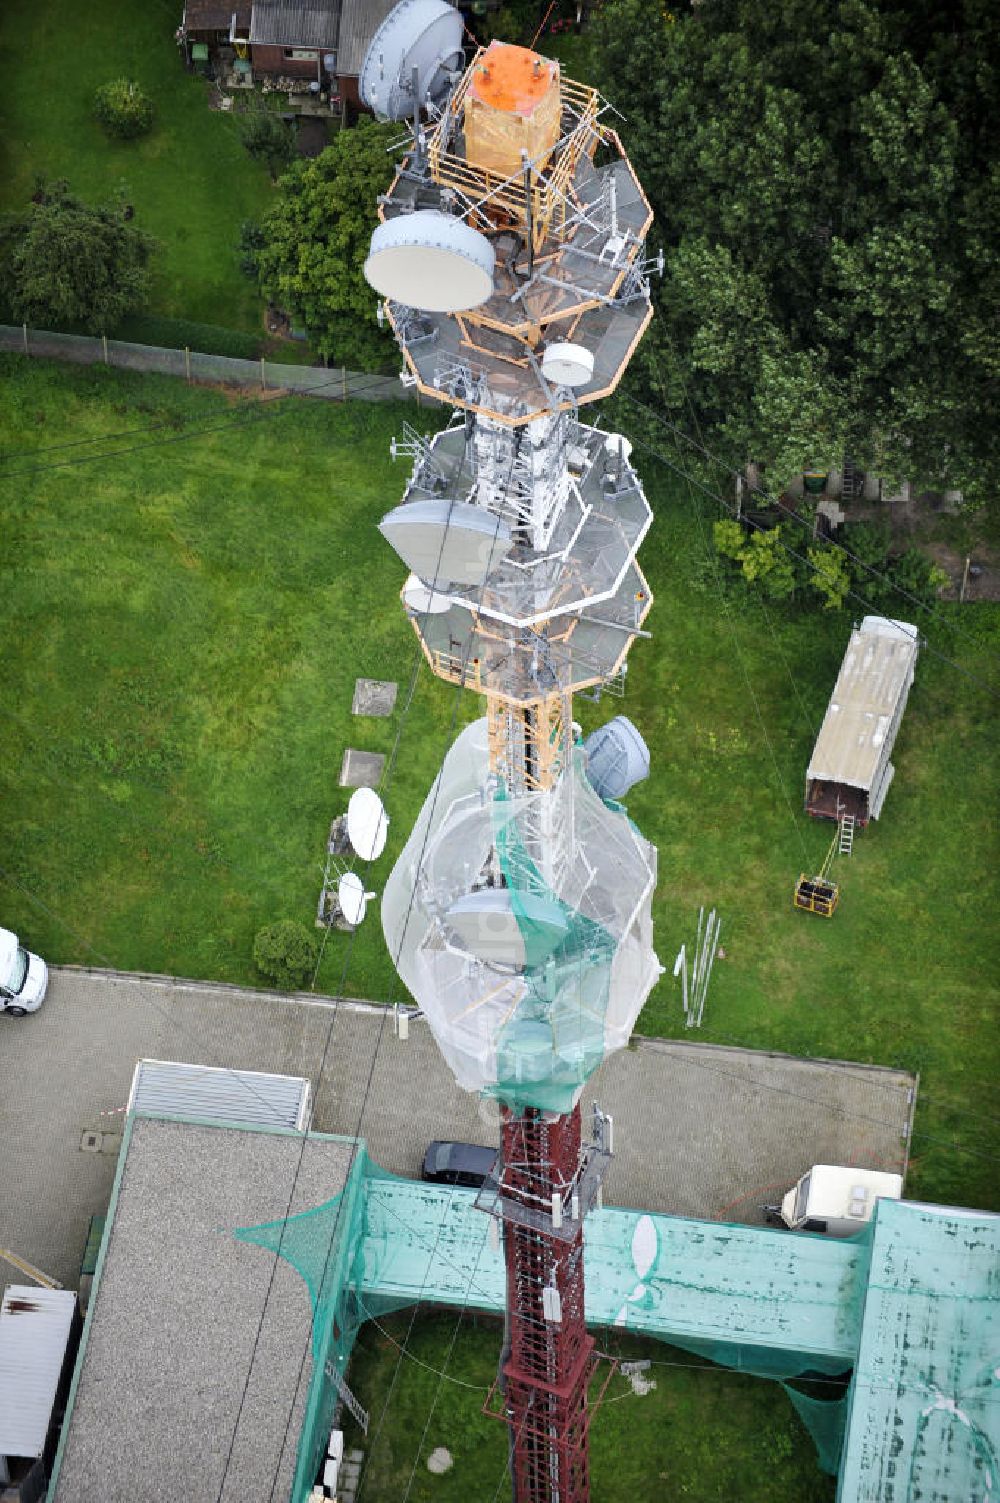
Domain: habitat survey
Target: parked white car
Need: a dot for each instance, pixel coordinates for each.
(24, 977)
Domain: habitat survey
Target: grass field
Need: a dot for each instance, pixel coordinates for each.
(190, 179)
(184, 625)
(657, 1445)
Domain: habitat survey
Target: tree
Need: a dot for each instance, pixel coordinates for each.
(315, 241)
(268, 139)
(829, 576)
(285, 953)
(66, 262)
(826, 181)
(123, 109)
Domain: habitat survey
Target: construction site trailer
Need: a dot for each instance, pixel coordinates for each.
(168, 1088)
(850, 771)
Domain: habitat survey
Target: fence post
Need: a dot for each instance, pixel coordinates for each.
(24, 328)
(263, 375)
(104, 346)
(343, 380)
(187, 364)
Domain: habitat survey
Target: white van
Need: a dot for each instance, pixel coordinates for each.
(24, 977)
(835, 1199)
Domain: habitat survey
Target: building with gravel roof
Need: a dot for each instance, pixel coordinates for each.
(158, 1398)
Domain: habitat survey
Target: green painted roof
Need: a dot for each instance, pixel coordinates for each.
(924, 1417)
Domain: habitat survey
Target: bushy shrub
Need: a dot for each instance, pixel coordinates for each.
(123, 109)
(285, 953)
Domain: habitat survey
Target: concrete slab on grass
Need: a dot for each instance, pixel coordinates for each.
(361, 769)
(374, 696)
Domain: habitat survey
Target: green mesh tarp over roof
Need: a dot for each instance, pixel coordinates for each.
(913, 1306)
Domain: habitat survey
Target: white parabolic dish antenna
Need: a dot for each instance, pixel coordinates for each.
(421, 34)
(352, 897)
(447, 542)
(487, 924)
(616, 445)
(367, 823)
(422, 600)
(568, 364)
(431, 261)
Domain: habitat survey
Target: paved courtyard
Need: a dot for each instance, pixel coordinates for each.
(699, 1130)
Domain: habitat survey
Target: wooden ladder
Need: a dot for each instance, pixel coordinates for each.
(846, 835)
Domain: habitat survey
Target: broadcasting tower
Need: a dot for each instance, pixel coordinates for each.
(511, 261)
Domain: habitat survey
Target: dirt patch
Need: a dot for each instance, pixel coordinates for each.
(983, 581)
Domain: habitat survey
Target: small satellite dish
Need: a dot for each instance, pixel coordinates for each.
(488, 924)
(367, 823)
(568, 364)
(431, 261)
(615, 445)
(422, 600)
(447, 542)
(421, 34)
(352, 897)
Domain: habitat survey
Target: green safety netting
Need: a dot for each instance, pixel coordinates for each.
(528, 1023)
(779, 1307)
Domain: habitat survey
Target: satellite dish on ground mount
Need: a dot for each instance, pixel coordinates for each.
(492, 924)
(422, 600)
(421, 34)
(447, 542)
(352, 898)
(367, 823)
(568, 364)
(431, 261)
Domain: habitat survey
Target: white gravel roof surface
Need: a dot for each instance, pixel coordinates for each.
(176, 1316)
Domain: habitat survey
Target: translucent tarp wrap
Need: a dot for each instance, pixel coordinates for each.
(580, 879)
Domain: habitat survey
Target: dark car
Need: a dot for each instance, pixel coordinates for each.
(458, 1164)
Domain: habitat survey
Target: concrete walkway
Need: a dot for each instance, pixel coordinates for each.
(699, 1130)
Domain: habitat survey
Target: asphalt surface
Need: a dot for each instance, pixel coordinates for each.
(699, 1130)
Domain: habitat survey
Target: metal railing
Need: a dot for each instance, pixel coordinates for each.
(336, 384)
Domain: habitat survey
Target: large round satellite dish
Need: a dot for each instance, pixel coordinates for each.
(568, 364)
(431, 261)
(447, 542)
(422, 600)
(421, 34)
(352, 897)
(504, 928)
(367, 823)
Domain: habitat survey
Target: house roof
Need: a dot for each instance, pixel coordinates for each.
(168, 1088)
(35, 1327)
(208, 15)
(875, 675)
(185, 1313)
(924, 1421)
(296, 23)
(359, 21)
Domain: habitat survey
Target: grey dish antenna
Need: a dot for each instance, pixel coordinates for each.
(488, 926)
(367, 823)
(431, 261)
(447, 542)
(352, 898)
(617, 758)
(422, 37)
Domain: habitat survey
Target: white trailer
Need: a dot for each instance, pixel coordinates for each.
(850, 771)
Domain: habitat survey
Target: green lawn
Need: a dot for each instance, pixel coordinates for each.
(184, 626)
(701, 1433)
(190, 179)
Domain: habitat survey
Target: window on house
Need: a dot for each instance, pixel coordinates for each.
(300, 54)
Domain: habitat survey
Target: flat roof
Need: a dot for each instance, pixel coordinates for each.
(174, 1319)
(924, 1419)
(166, 1087)
(876, 672)
(35, 1326)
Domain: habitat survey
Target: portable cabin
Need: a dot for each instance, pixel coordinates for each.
(850, 771)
